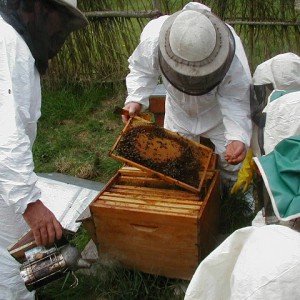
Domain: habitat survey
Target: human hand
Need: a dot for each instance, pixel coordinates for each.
(133, 108)
(235, 152)
(45, 227)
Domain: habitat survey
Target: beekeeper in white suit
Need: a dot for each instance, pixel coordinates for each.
(207, 78)
(31, 33)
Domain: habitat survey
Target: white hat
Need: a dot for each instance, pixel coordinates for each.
(195, 50)
(78, 18)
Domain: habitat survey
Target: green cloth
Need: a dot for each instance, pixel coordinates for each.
(281, 173)
(277, 94)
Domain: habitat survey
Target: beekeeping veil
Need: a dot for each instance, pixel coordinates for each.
(78, 19)
(195, 51)
(35, 32)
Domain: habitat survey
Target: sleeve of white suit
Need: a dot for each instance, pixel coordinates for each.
(17, 122)
(143, 65)
(234, 98)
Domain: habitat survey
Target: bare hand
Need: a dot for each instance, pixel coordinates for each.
(235, 152)
(45, 227)
(134, 108)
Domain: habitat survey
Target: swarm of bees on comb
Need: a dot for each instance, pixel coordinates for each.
(155, 148)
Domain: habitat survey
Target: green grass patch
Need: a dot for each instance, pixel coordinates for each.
(112, 282)
(76, 131)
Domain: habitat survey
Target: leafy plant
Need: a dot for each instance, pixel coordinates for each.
(236, 210)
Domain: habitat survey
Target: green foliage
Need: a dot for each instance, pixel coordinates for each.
(235, 210)
(80, 239)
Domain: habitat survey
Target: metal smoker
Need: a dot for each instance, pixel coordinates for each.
(41, 265)
(45, 265)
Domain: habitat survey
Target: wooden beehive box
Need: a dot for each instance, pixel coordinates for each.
(152, 226)
(150, 221)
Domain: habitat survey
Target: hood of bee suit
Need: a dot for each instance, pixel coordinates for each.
(195, 50)
(78, 19)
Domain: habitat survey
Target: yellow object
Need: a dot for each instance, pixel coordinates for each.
(245, 174)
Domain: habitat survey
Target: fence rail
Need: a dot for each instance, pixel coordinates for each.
(156, 13)
(123, 14)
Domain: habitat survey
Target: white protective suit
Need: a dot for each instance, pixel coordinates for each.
(221, 115)
(20, 101)
(253, 263)
(282, 114)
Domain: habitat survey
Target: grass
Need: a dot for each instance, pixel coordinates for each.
(235, 211)
(76, 131)
(112, 282)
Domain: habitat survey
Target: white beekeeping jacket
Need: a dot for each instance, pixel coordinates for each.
(282, 111)
(253, 263)
(228, 103)
(20, 101)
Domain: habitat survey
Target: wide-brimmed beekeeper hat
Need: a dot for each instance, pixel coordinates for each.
(195, 50)
(78, 19)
